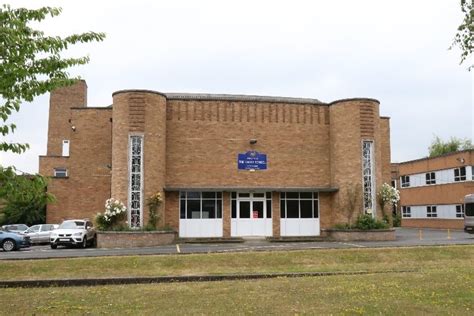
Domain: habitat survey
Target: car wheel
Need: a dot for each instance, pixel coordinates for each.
(53, 246)
(84, 242)
(8, 245)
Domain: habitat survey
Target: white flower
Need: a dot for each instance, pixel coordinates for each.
(368, 211)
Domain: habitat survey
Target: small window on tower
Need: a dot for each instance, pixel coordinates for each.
(66, 148)
(60, 172)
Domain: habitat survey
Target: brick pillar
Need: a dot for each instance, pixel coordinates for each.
(276, 213)
(226, 214)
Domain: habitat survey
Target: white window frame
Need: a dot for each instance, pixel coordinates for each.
(460, 211)
(65, 148)
(430, 178)
(431, 211)
(60, 173)
(459, 178)
(405, 181)
(406, 211)
(368, 177)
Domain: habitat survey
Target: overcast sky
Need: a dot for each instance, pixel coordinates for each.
(394, 51)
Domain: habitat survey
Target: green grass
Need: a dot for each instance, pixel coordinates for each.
(251, 262)
(442, 292)
(443, 284)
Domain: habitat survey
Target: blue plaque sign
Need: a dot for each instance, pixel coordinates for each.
(252, 160)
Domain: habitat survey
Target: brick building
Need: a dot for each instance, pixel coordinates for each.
(432, 190)
(227, 165)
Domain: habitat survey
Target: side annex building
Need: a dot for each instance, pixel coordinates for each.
(226, 165)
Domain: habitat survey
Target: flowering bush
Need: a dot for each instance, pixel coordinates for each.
(114, 214)
(388, 195)
(153, 203)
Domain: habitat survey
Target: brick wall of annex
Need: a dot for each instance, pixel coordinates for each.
(84, 192)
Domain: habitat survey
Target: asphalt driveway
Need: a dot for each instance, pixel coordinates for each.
(406, 237)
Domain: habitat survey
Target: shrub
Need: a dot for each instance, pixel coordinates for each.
(367, 222)
(153, 216)
(112, 218)
(397, 220)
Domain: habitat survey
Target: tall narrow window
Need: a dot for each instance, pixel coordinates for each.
(66, 148)
(135, 181)
(368, 176)
(405, 181)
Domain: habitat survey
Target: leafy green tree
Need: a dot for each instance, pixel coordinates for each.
(24, 197)
(31, 63)
(439, 147)
(464, 38)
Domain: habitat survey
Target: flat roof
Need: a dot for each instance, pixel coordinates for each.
(440, 156)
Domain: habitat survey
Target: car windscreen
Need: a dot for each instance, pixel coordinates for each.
(469, 211)
(72, 225)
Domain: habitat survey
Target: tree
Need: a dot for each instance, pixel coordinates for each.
(464, 38)
(439, 147)
(24, 197)
(31, 63)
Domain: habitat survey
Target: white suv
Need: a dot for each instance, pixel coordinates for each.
(76, 232)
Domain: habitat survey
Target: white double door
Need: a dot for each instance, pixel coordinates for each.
(251, 217)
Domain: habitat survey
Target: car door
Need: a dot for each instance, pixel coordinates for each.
(33, 233)
(43, 234)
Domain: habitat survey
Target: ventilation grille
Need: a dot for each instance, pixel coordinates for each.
(366, 120)
(136, 114)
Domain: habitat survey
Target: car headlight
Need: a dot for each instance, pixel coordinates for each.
(77, 234)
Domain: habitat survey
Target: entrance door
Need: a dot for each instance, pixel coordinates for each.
(251, 216)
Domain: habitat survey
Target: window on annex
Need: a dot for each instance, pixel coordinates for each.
(460, 174)
(299, 205)
(405, 181)
(430, 178)
(200, 205)
(406, 211)
(60, 172)
(431, 211)
(65, 148)
(460, 211)
(245, 208)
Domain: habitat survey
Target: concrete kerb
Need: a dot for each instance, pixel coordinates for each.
(180, 279)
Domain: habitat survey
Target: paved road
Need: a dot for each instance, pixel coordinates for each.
(406, 237)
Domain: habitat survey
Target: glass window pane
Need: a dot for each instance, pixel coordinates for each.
(292, 209)
(234, 209)
(306, 195)
(208, 195)
(291, 195)
(182, 213)
(193, 195)
(282, 209)
(244, 209)
(316, 195)
(259, 195)
(269, 195)
(257, 209)
(194, 209)
(244, 194)
(269, 208)
(219, 195)
(208, 209)
(316, 208)
(306, 208)
(182, 194)
(219, 209)
(233, 195)
(282, 195)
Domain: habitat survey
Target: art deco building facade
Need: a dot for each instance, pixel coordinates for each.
(226, 165)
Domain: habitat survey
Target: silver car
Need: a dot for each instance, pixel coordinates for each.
(40, 233)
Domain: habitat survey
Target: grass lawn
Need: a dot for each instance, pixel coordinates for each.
(443, 284)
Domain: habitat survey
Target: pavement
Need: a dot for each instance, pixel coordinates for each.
(405, 237)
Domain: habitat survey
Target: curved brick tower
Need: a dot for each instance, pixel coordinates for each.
(138, 115)
(353, 123)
